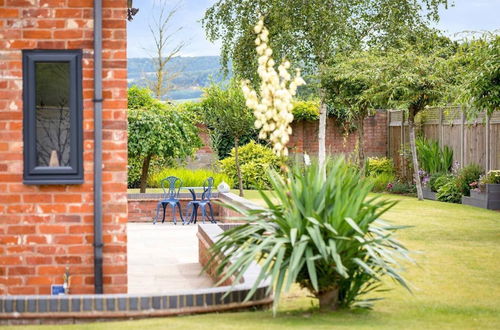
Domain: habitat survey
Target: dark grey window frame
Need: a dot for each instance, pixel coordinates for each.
(37, 175)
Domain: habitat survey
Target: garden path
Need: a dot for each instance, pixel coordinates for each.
(163, 258)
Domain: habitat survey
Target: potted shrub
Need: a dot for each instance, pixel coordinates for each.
(486, 192)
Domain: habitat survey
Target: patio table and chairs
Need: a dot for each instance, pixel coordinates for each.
(171, 187)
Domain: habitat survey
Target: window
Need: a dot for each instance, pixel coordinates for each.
(52, 97)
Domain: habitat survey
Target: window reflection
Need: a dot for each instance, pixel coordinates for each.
(52, 113)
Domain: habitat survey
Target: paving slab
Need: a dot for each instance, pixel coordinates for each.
(163, 258)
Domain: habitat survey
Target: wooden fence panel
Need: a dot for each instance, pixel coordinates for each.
(451, 137)
(472, 142)
(495, 145)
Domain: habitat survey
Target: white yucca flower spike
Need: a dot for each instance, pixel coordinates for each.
(307, 159)
(273, 105)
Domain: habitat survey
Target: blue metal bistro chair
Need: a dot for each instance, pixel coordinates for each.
(203, 203)
(171, 186)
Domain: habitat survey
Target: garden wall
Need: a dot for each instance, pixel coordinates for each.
(305, 139)
(44, 229)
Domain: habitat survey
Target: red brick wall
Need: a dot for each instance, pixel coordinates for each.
(43, 229)
(305, 137)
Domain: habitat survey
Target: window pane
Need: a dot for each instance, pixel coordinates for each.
(52, 113)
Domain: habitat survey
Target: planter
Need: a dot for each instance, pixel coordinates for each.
(488, 199)
(428, 193)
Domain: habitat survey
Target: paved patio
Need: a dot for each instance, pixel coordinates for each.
(163, 258)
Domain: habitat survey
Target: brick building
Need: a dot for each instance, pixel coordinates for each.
(55, 201)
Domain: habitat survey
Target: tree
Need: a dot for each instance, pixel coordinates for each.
(157, 130)
(312, 32)
(162, 52)
(412, 80)
(478, 64)
(347, 84)
(225, 112)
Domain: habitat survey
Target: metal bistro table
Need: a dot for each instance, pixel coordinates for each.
(195, 204)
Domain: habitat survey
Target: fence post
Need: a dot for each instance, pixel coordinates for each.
(388, 142)
(488, 144)
(441, 133)
(403, 163)
(462, 139)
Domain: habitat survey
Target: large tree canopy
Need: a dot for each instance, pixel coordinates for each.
(311, 32)
(476, 67)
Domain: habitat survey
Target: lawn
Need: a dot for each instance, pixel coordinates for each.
(456, 281)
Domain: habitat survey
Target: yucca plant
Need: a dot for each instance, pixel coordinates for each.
(325, 235)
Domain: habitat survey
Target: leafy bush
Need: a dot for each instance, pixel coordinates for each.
(376, 166)
(255, 160)
(325, 235)
(450, 192)
(438, 180)
(433, 158)
(380, 181)
(226, 115)
(190, 178)
(401, 188)
(466, 176)
(157, 131)
(192, 109)
(305, 110)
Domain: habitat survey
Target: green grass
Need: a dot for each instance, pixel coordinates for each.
(456, 281)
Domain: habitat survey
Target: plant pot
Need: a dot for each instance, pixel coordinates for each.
(488, 199)
(428, 193)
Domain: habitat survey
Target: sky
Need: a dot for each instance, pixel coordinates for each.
(465, 15)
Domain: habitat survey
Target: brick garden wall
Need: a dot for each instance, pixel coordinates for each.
(43, 229)
(305, 137)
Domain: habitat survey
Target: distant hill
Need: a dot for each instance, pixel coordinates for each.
(192, 74)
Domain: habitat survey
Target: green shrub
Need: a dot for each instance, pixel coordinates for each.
(305, 110)
(401, 188)
(380, 181)
(376, 166)
(190, 178)
(450, 192)
(325, 235)
(255, 160)
(438, 180)
(192, 109)
(433, 158)
(467, 175)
